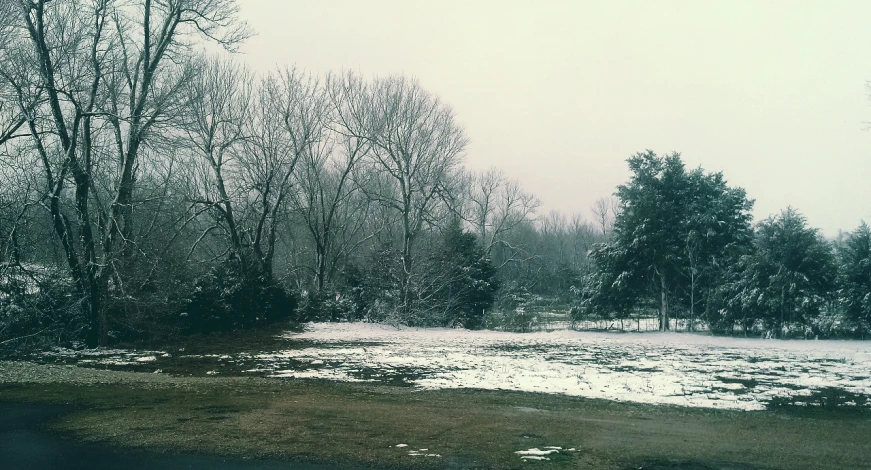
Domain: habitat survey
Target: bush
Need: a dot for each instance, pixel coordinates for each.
(232, 296)
(37, 309)
(465, 280)
(513, 297)
(517, 321)
(149, 304)
(371, 292)
(325, 307)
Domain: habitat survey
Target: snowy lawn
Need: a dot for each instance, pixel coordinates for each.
(657, 368)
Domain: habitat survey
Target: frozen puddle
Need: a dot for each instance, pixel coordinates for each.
(659, 368)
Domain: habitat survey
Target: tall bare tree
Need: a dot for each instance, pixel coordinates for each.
(93, 79)
(605, 211)
(328, 198)
(219, 110)
(290, 123)
(496, 206)
(418, 145)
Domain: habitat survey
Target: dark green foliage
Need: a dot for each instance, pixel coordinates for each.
(148, 305)
(514, 296)
(325, 306)
(460, 284)
(730, 307)
(653, 211)
(786, 278)
(565, 280)
(610, 290)
(717, 232)
(854, 278)
(676, 232)
(520, 320)
(455, 284)
(356, 290)
(232, 296)
(38, 308)
(373, 291)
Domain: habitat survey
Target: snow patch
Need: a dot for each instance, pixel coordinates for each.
(658, 368)
(537, 451)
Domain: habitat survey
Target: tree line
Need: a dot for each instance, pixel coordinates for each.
(151, 188)
(684, 246)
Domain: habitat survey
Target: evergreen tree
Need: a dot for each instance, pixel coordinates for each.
(676, 229)
(610, 290)
(461, 282)
(789, 274)
(854, 277)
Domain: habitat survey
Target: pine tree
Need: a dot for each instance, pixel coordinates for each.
(789, 274)
(854, 277)
(462, 282)
(675, 231)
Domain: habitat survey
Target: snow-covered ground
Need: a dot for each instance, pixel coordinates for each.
(662, 368)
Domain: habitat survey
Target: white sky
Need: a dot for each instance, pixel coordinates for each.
(559, 93)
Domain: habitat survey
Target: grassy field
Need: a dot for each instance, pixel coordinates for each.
(182, 409)
(361, 425)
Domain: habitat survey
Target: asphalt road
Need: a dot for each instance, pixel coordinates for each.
(24, 446)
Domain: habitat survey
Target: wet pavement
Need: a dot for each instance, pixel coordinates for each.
(24, 446)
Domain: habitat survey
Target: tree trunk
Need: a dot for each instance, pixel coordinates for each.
(322, 267)
(708, 309)
(782, 304)
(692, 301)
(663, 319)
(98, 328)
(406, 262)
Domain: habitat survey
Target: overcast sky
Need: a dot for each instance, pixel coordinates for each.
(559, 94)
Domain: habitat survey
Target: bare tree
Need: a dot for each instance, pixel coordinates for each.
(605, 211)
(582, 236)
(249, 142)
(219, 111)
(91, 76)
(418, 144)
(496, 206)
(153, 39)
(328, 198)
(289, 124)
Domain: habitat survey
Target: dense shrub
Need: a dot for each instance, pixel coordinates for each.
(514, 296)
(148, 306)
(232, 296)
(325, 306)
(460, 282)
(854, 278)
(517, 321)
(455, 284)
(38, 308)
(373, 292)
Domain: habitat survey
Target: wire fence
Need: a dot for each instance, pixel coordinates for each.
(555, 321)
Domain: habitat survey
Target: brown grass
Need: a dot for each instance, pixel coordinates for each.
(359, 425)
